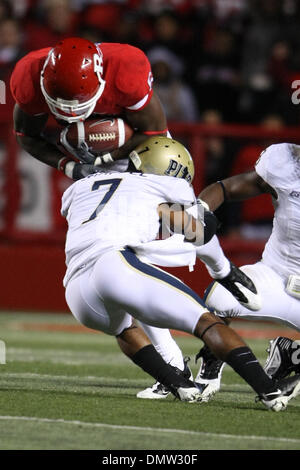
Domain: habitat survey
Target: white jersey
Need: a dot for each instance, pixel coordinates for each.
(279, 166)
(111, 210)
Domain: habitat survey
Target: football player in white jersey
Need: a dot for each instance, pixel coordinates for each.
(108, 284)
(277, 275)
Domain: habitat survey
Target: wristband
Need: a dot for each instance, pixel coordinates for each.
(69, 167)
(203, 203)
(107, 158)
(98, 161)
(62, 163)
(224, 190)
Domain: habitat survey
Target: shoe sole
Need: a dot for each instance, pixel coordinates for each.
(152, 395)
(254, 300)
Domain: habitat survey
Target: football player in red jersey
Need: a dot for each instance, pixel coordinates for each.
(71, 81)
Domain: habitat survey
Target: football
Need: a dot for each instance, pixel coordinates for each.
(99, 134)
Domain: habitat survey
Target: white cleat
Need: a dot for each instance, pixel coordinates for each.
(287, 389)
(156, 392)
(190, 394)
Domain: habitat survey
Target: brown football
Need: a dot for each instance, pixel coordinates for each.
(100, 134)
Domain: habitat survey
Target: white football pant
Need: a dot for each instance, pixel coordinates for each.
(277, 305)
(119, 286)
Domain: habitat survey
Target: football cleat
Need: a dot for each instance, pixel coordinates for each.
(159, 391)
(241, 287)
(279, 363)
(288, 388)
(191, 394)
(210, 372)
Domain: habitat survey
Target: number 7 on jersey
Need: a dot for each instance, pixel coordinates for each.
(113, 185)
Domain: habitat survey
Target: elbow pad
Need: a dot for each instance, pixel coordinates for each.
(211, 225)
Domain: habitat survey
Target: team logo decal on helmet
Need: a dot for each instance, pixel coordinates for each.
(163, 156)
(72, 79)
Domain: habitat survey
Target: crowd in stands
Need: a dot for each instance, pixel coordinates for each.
(213, 60)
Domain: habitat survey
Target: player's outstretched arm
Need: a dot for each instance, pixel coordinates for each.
(235, 188)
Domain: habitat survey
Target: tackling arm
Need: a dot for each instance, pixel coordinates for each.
(235, 188)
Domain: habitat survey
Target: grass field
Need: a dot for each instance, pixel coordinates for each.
(65, 387)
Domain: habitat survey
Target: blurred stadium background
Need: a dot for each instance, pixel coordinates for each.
(224, 70)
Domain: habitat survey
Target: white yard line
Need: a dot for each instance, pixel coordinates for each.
(72, 378)
(147, 429)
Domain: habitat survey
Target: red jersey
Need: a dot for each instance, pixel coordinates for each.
(126, 71)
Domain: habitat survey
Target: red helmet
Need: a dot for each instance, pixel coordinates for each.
(71, 79)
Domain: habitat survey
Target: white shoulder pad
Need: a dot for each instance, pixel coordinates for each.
(279, 165)
(175, 190)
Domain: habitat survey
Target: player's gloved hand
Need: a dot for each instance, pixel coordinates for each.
(76, 171)
(84, 154)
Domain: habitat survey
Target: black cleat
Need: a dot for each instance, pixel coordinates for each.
(283, 358)
(158, 390)
(210, 371)
(241, 287)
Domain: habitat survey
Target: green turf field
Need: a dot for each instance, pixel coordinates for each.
(64, 387)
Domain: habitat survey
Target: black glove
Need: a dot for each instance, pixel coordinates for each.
(211, 225)
(84, 155)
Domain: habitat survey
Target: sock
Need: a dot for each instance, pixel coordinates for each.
(165, 345)
(243, 361)
(213, 256)
(151, 362)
